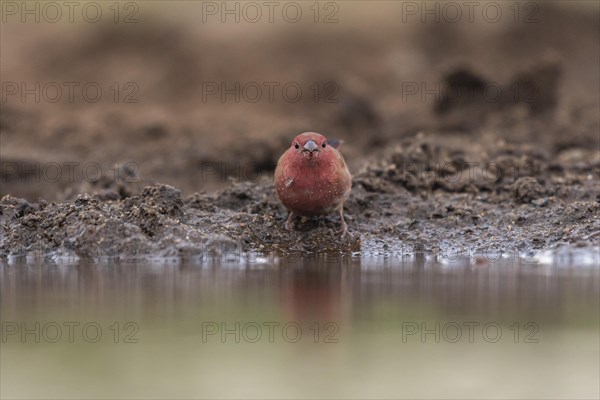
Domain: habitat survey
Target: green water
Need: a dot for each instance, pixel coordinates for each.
(350, 327)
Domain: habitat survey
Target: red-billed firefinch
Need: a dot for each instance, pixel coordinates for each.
(312, 178)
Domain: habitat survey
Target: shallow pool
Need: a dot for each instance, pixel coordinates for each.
(357, 326)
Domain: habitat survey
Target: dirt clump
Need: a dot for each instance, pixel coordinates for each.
(394, 206)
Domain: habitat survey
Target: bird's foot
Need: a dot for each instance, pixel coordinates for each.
(344, 231)
(289, 224)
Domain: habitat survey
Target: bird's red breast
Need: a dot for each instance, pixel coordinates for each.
(311, 177)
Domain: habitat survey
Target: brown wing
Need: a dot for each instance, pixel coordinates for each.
(335, 143)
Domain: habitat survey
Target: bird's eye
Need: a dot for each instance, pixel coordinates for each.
(324, 144)
(296, 145)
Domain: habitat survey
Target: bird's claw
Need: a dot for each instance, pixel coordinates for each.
(289, 224)
(344, 231)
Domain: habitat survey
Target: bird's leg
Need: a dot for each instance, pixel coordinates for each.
(290, 221)
(344, 224)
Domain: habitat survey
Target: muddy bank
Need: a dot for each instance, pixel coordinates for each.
(417, 196)
(478, 176)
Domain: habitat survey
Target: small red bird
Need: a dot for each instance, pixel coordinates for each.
(312, 178)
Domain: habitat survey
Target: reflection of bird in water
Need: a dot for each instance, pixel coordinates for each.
(312, 292)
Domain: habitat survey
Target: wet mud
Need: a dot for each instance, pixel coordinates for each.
(517, 172)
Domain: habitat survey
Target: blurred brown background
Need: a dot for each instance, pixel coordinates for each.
(370, 73)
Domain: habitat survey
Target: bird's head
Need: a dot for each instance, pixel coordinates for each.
(310, 146)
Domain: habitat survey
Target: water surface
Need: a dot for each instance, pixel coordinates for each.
(377, 326)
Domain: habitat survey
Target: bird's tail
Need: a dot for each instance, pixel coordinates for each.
(335, 143)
